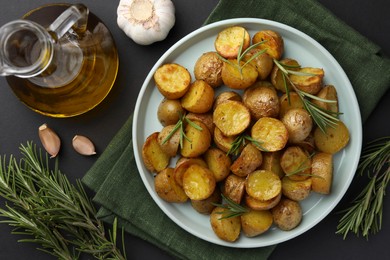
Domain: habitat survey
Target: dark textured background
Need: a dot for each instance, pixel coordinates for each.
(19, 124)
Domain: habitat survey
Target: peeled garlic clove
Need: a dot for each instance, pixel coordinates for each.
(50, 140)
(83, 145)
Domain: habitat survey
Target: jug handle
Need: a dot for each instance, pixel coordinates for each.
(75, 16)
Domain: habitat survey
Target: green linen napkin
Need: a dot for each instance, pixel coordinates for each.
(119, 189)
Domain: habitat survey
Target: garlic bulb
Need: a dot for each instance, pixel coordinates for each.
(146, 21)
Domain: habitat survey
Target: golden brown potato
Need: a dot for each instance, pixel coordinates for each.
(208, 67)
(155, 159)
(207, 205)
(260, 204)
(198, 182)
(205, 118)
(169, 111)
(263, 63)
(274, 44)
(231, 117)
(286, 104)
(335, 138)
(311, 84)
(222, 141)
(263, 185)
(234, 188)
(169, 146)
(229, 41)
(271, 162)
(199, 98)
(183, 164)
(235, 78)
(227, 229)
(287, 214)
(218, 162)
(296, 163)
(167, 188)
(328, 92)
(298, 123)
(277, 75)
(271, 134)
(308, 144)
(262, 100)
(172, 80)
(226, 96)
(198, 140)
(249, 160)
(296, 190)
(322, 171)
(256, 222)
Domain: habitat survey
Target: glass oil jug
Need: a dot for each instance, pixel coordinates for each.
(60, 60)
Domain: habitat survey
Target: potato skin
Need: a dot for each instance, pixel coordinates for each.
(207, 205)
(277, 75)
(154, 158)
(167, 188)
(222, 141)
(310, 84)
(205, 118)
(226, 96)
(263, 63)
(298, 123)
(169, 111)
(296, 190)
(256, 222)
(218, 162)
(328, 92)
(262, 100)
(322, 171)
(287, 214)
(286, 104)
(200, 140)
(171, 145)
(296, 163)
(234, 188)
(249, 160)
(208, 67)
(262, 204)
(227, 229)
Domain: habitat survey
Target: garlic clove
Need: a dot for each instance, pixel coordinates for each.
(50, 140)
(146, 21)
(83, 145)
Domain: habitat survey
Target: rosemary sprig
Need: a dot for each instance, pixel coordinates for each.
(241, 55)
(365, 214)
(240, 141)
(322, 117)
(42, 204)
(180, 126)
(231, 208)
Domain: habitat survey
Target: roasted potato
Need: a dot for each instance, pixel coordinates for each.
(274, 44)
(329, 93)
(296, 163)
(263, 63)
(235, 78)
(234, 188)
(298, 123)
(271, 134)
(227, 229)
(207, 205)
(226, 96)
(263, 185)
(230, 40)
(296, 190)
(172, 80)
(277, 75)
(262, 100)
(208, 67)
(287, 214)
(198, 182)
(198, 140)
(183, 164)
(169, 111)
(199, 98)
(310, 83)
(155, 159)
(218, 162)
(205, 118)
(231, 117)
(222, 141)
(262, 204)
(256, 222)
(249, 160)
(333, 140)
(167, 188)
(322, 171)
(271, 162)
(289, 103)
(169, 145)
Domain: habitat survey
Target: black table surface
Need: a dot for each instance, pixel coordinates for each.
(18, 124)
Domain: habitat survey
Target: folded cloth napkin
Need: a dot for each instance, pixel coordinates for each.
(115, 178)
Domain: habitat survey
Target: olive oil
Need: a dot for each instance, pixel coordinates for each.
(80, 74)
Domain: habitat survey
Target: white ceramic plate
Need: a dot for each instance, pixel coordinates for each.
(298, 46)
